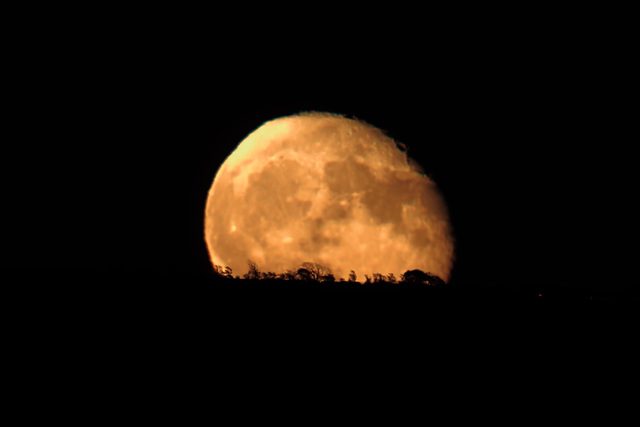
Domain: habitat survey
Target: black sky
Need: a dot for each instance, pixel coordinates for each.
(115, 121)
(119, 142)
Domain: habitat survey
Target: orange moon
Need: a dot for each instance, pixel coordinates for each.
(319, 187)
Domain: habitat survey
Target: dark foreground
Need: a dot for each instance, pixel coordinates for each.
(160, 342)
(158, 297)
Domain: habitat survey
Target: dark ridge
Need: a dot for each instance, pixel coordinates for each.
(69, 288)
(70, 309)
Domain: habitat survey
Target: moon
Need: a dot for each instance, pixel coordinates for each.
(323, 188)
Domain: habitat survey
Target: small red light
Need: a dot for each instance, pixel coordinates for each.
(539, 295)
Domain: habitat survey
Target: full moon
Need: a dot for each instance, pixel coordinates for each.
(323, 188)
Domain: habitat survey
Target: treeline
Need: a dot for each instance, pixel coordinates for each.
(314, 272)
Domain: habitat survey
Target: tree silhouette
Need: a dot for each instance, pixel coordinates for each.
(224, 272)
(329, 278)
(303, 274)
(288, 275)
(414, 276)
(227, 273)
(316, 271)
(378, 278)
(269, 275)
(253, 273)
(352, 276)
(419, 276)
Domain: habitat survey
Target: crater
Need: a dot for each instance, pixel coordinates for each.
(348, 176)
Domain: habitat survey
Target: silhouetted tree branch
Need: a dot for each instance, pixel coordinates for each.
(224, 272)
(352, 276)
(303, 274)
(269, 275)
(378, 278)
(288, 275)
(316, 271)
(253, 273)
(312, 271)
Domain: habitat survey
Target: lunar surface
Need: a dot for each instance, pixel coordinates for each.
(319, 187)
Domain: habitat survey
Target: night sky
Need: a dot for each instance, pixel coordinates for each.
(116, 121)
(118, 147)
